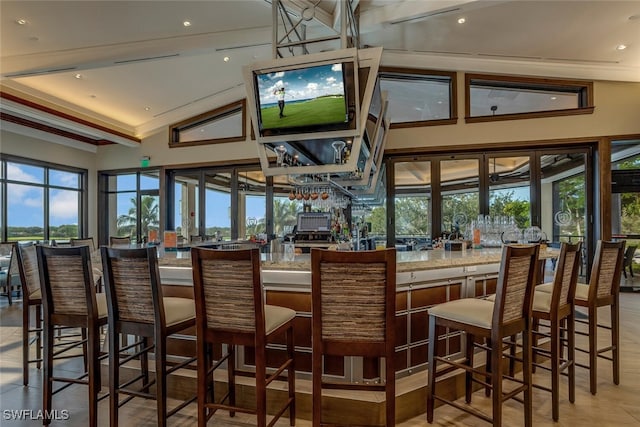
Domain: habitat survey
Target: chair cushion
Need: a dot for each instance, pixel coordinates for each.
(35, 294)
(545, 287)
(541, 301)
(101, 300)
(472, 311)
(582, 292)
(275, 316)
(178, 310)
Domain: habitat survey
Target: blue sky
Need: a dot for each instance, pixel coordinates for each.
(301, 84)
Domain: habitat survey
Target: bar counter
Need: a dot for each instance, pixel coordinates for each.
(424, 278)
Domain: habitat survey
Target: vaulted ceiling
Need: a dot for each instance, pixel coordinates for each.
(135, 67)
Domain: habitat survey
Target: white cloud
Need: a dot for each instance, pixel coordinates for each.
(64, 205)
(312, 86)
(33, 202)
(336, 67)
(331, 80)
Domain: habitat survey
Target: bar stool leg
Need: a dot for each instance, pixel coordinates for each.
(47, 374)
(261, 395)
(488, 369)
(231, 364)
(291, 377)
(593, 348)
(25, 343)
(161, 383)
(468, 384)
(144, 364)
(114, 376)
(571, 355)
(615, 340)
(555, 369)
(431, 385)
(526, 376)
(496, 382)
(93, 370)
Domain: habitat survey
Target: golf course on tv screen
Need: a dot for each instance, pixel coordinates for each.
(302, 98)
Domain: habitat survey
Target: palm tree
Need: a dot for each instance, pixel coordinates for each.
(285, 213)
(148, 217)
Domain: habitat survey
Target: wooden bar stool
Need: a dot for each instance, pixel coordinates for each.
(557, 308)
(509, 315)
(353, 314)
(230, 310)
(137, 307)
(69, 299)
(603, 290)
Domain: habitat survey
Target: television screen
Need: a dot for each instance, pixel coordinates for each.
(303, 99)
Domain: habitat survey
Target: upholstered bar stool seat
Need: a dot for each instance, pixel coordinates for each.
(477, 312)
(178, 310)
(275, 316)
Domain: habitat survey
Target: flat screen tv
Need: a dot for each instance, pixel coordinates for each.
(297, 98)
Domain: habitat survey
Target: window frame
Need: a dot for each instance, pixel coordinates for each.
(453, 94)
(82, 189)
(239, 106)
(583, 88)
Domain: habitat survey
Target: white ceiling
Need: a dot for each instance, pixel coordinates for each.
(141, 69)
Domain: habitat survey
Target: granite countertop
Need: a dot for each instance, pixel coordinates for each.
(407, 261)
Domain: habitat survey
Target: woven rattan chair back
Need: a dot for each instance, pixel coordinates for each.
(357, 288)
(66, 276)
(566, 277)
(83, 242)
(131, 279)
(607, 269)
(516, 278)
(28, 268)
(227, 281)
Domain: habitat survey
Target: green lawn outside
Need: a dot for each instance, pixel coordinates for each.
(316, 111)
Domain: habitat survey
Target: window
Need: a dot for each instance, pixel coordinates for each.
(507, 97)
(41, 201)
(133, 205)
(224, 124)
(419, 97)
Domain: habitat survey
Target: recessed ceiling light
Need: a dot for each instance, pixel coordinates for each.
(226, 59)
(21, 21)
(621, 47)
(553, 98)
(147, 108)
(461, 20)
(78, 76)
(440, 102)
(187, 23)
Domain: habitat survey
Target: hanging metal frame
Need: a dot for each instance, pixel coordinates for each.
(290, 19)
